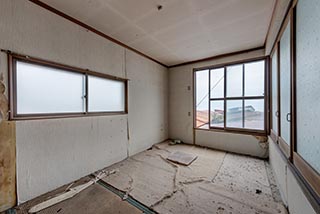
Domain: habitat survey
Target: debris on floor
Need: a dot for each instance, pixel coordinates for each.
(174, 142)
(215, 182)
(95, 199)
(71, 192)
(182, 158)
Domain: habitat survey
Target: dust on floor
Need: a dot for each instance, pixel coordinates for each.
(216, 182)
(95, 199)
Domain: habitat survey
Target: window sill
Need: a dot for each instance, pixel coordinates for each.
(234, 131)
(63, 115)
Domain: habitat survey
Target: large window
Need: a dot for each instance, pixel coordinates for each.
(44, 89)
(231, 97)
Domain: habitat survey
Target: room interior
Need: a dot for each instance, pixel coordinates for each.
(158, 106)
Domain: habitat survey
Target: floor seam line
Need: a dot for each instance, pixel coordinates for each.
(134, 202)
(212, 181)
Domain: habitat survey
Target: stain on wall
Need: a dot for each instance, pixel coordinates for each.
(75, 147)
(4, 105)
(7, 154)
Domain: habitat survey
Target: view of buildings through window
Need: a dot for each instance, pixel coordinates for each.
(231, 97)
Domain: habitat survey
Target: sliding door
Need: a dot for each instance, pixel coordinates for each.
(274, 100)
(307, 154)
(285, 80)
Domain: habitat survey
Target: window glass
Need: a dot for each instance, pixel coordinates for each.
(285, 78)
(229, 106)
(234, 81)
(217, 83)
(217, 113)
(105, 95)
(42, 90)
(275, 92)
(234, 115)
(254, 114)
(254, 79)
(202, 98)
(308, 79)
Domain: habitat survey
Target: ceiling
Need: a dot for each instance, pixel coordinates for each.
(182, 31)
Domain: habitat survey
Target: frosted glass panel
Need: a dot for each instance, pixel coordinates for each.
(42, 89)
(217, 113)
(217, 83)
(254, 79)
(308, 79)
(274, 68)
(234, 81)
(105, 95)
(254, 114)
(234, 114)
(202, 98)
(285, 84)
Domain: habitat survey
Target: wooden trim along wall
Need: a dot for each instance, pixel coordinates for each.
(218, 56)
(307, 172)
(92, 29)
(308, 178)
(76, 21)
(265, 98)
(13, 115)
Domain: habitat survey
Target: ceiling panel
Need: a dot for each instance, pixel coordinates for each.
(183, 30)
(129, 34)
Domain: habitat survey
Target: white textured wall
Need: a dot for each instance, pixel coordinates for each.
(53, 152)
(148, 93)
(291, 192)
(238, 143)
(181, 104)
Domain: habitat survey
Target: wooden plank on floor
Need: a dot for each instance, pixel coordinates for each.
(182, 158)
(95, 199)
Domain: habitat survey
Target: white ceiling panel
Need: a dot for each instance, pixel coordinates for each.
(183, 30)
(129, 34)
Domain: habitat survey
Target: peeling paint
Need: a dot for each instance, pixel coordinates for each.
(7, 165)
(263, 142)
(7, 153)
(4, 104)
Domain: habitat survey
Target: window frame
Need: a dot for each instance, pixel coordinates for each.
(307, 177)
(263, 132)
(13, 58)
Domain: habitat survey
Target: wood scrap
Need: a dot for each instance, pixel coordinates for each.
(182, 158)
(70, 193)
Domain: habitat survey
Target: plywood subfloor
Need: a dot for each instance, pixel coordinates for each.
(216, 182)
(95, 199)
